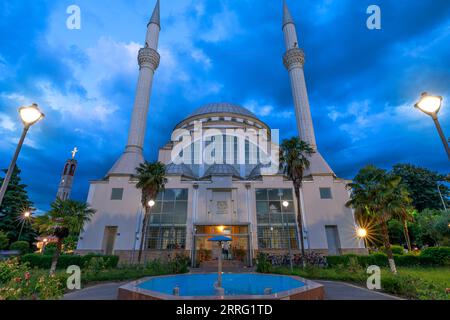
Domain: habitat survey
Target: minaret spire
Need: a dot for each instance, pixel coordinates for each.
(148, 59)
(287, 17)
(155, 15)
(294, 60)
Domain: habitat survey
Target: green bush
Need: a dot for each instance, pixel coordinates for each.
(22, 246)
(179, 264)
(50, 249)
(395, 249)
(408, 260)
(65, 260)
(4, 241)
(437, 255)
(263, 264)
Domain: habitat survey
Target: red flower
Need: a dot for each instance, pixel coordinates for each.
(27, 276)
(18, 279)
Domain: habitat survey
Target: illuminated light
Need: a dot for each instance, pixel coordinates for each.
(30, 115)
(221, 228)
(27, 214)
(429, 104)
(285, 204)
(151, 203)
(361, 232)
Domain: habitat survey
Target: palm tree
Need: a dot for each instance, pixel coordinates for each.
(151, 180)
(402, 209)
(294, 161)
(65, 217)
(376, 194)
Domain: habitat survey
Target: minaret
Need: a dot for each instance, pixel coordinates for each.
(294, 59)
(148, 60)
(65, 186)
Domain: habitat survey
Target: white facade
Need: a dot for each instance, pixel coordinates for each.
(231, 195)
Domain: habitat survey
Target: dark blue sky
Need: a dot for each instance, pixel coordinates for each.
(362, 83)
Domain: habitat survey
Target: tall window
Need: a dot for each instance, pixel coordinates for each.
(167, 226)
(277, 226)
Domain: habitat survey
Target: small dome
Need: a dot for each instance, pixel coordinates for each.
(221, 170)
(222, 108)
(179, 170)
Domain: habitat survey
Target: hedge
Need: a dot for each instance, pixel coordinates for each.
(22, 246)
(435, 256)
(65, 260)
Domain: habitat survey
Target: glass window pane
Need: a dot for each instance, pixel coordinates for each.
(262, 207)
(181, 194)
(167, 206)
(286, 194)
(169, 194)
(274, 207)
(289, 207)
(180, 207)
(274, 194)
(261, 194)
(325, 193)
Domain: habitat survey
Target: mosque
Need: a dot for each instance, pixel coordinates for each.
(222, 178)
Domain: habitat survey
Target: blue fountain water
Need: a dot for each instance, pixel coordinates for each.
(234, 284)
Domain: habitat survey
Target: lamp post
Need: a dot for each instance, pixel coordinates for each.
(285, 205)
(26, 216)
(29, 115)
(362, 234)
(431, 105)
(151, 203)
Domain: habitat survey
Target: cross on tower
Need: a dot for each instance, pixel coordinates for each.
(74, 152)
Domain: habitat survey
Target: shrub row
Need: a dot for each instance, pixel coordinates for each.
(44, 261)
(435, 256)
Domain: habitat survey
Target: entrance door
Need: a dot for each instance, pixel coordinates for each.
(238, 247)
(109, 238)
(334, 246)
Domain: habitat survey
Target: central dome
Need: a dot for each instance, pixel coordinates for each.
(222, 108)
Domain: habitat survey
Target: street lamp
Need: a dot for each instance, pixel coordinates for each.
(285, 205)
(362, 234)
(431, 105)
(26, 215)
(29, 115)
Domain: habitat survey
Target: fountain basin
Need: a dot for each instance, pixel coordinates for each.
(237, 286)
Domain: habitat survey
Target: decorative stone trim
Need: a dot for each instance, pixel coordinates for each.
(294, 57)
(148, 57)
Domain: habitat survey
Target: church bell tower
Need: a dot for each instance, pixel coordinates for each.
(65, 185)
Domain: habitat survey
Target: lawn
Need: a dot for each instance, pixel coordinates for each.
(425, 283)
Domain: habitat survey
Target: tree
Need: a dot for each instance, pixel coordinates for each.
(151, 180)
(422, 185)
(376, 194)
(14, 204)
(294, 154)
(431, 228)
(65, 217)
(400, 207)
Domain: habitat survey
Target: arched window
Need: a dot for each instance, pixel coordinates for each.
(66, 169)
(72, 169)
